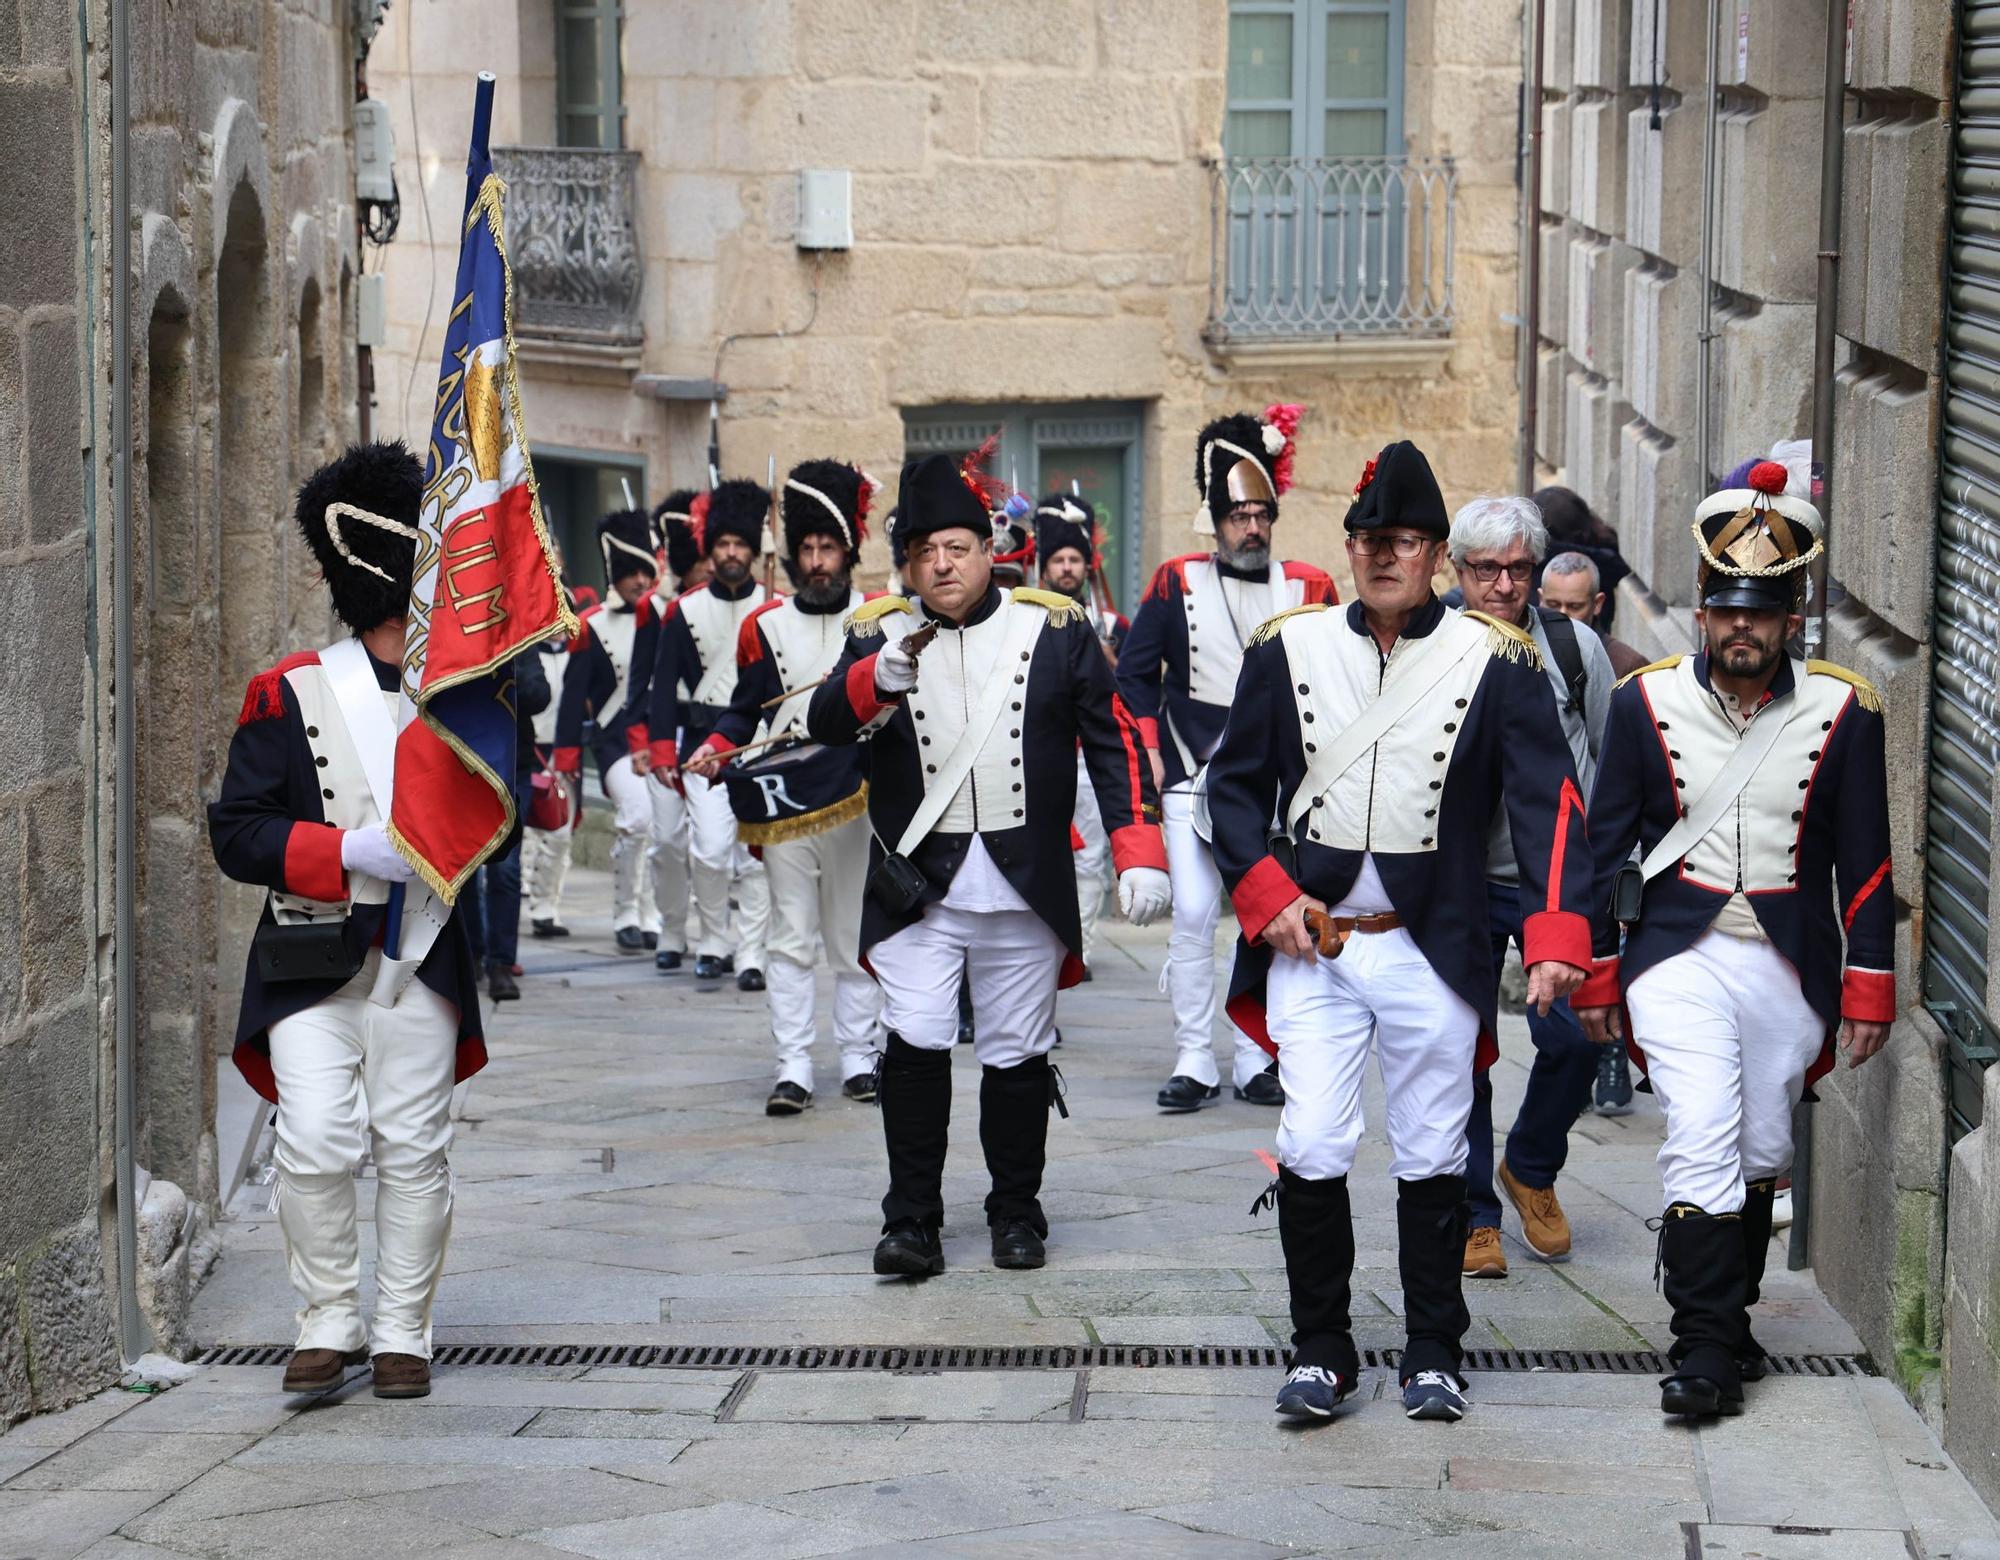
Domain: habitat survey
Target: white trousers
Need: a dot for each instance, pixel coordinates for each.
(1728, 1036)
(544, 866)
(667, 861)
(1322, 1015)
(631, 823)
(352, 1076)
(1010, 957)
(716, 859)
(816, 885)
(1092, 859)
(1189, 978)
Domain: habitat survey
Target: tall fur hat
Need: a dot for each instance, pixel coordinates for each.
(1244, 459)
(736, 508)
(1063, 520)
(629, 544)
(359, 516)
(827, 498)
(673, 520)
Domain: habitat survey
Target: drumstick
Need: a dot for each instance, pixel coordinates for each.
(916, 639)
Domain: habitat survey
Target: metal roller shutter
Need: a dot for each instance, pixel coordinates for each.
(1965, 687)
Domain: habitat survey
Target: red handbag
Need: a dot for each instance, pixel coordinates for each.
(549, 802)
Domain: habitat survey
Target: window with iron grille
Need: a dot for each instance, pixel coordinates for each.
(590, 106)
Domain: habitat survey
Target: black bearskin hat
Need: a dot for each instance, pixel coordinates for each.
(367, 562)
(1244, 459)
(625, 537)
(736, 508)
(826, 498)
(1397, 488)
(1063, 520)
(674, 521)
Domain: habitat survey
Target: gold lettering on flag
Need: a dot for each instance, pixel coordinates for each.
(477, 553)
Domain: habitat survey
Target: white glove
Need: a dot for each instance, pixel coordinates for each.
(369, 851)
(1144, 894)
(895, 668)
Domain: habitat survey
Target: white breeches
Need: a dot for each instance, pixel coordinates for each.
(1322, 1015)
(1189, 978)
(1727, 1036)
(816, 885)
(1010, 957)
(544, 865)
(352, 1076)
(715, 859)
(667, 856)
(1091, 860)
(631, 823)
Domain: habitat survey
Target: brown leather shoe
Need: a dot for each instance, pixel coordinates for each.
(402, 1376)
(1543, 1226)
(1483, 1256)
(315, 1370)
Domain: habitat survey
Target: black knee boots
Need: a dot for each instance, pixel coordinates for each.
(1758, 1199)
(1316, 1229)
(914, 1092)
(1430, 1251)
(1014, 1131)
(1702, 1255)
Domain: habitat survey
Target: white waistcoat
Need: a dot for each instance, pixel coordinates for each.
(716, 625)
(345, 798)
(952, 672)
(615, 629)
(804, 646)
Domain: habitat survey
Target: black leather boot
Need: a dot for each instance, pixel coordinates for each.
(1758, 1200)
(1701, 1256)
(1014, 1131)
(1316, 1230)
(1430, 1253)
(914, 1092)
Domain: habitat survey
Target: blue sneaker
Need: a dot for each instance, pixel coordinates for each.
(1431, 1394)
(1311, 1392)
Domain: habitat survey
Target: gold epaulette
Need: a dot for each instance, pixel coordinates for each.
(1268, 629)
(1864, 690)
(1665, 664)
(1504, 639)
(866, 619)
(1061, 609)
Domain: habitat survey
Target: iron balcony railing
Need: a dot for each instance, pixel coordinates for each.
(573, 239)
(1312, 247)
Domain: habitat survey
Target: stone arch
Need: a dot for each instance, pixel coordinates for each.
(312, 429)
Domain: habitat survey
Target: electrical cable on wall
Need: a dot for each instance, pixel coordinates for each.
(714, 424)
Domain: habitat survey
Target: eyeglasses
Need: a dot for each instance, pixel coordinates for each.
(1486, 573)
(1248, 516)
(1403, 545)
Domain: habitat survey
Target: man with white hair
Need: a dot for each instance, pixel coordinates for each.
(1496, 544)
(1572, 586)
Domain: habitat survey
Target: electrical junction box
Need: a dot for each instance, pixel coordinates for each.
(374, 153)
(371, 309)
(826, 208)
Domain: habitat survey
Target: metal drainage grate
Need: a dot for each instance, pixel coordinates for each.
(1615, 1362)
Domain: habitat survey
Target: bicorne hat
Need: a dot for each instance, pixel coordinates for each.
(1397, 488)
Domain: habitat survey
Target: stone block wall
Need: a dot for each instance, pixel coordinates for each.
(1032, 222)
(243, 376)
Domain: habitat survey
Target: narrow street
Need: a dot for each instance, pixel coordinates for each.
(621, 1191)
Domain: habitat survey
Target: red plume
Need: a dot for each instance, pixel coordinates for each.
(1284, 416)
(987, 488)
(698, 522)
(1767, 476)
(863, 497)
(1367, 476)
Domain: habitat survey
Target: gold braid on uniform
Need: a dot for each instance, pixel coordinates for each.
(1268, 629)
(1667, 664)
(802, 825)
(1864, 690)
(865, 621)
(1063, 610)
(1507, 641)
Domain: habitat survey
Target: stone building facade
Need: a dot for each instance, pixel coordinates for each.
(243, 375)
(1903, 1199)
(1035, 236)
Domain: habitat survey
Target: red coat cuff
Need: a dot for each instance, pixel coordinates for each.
(716, 743)
(1263, 891)
(1149, 731)
(1600, 986)
(1561, 935)
(568, 761)
(636, 740)
(312, 863)
(1137, 845)
(663, 754)
(861, 695)
(1868, 996)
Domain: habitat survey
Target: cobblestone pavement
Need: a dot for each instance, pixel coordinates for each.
(619, 1184)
